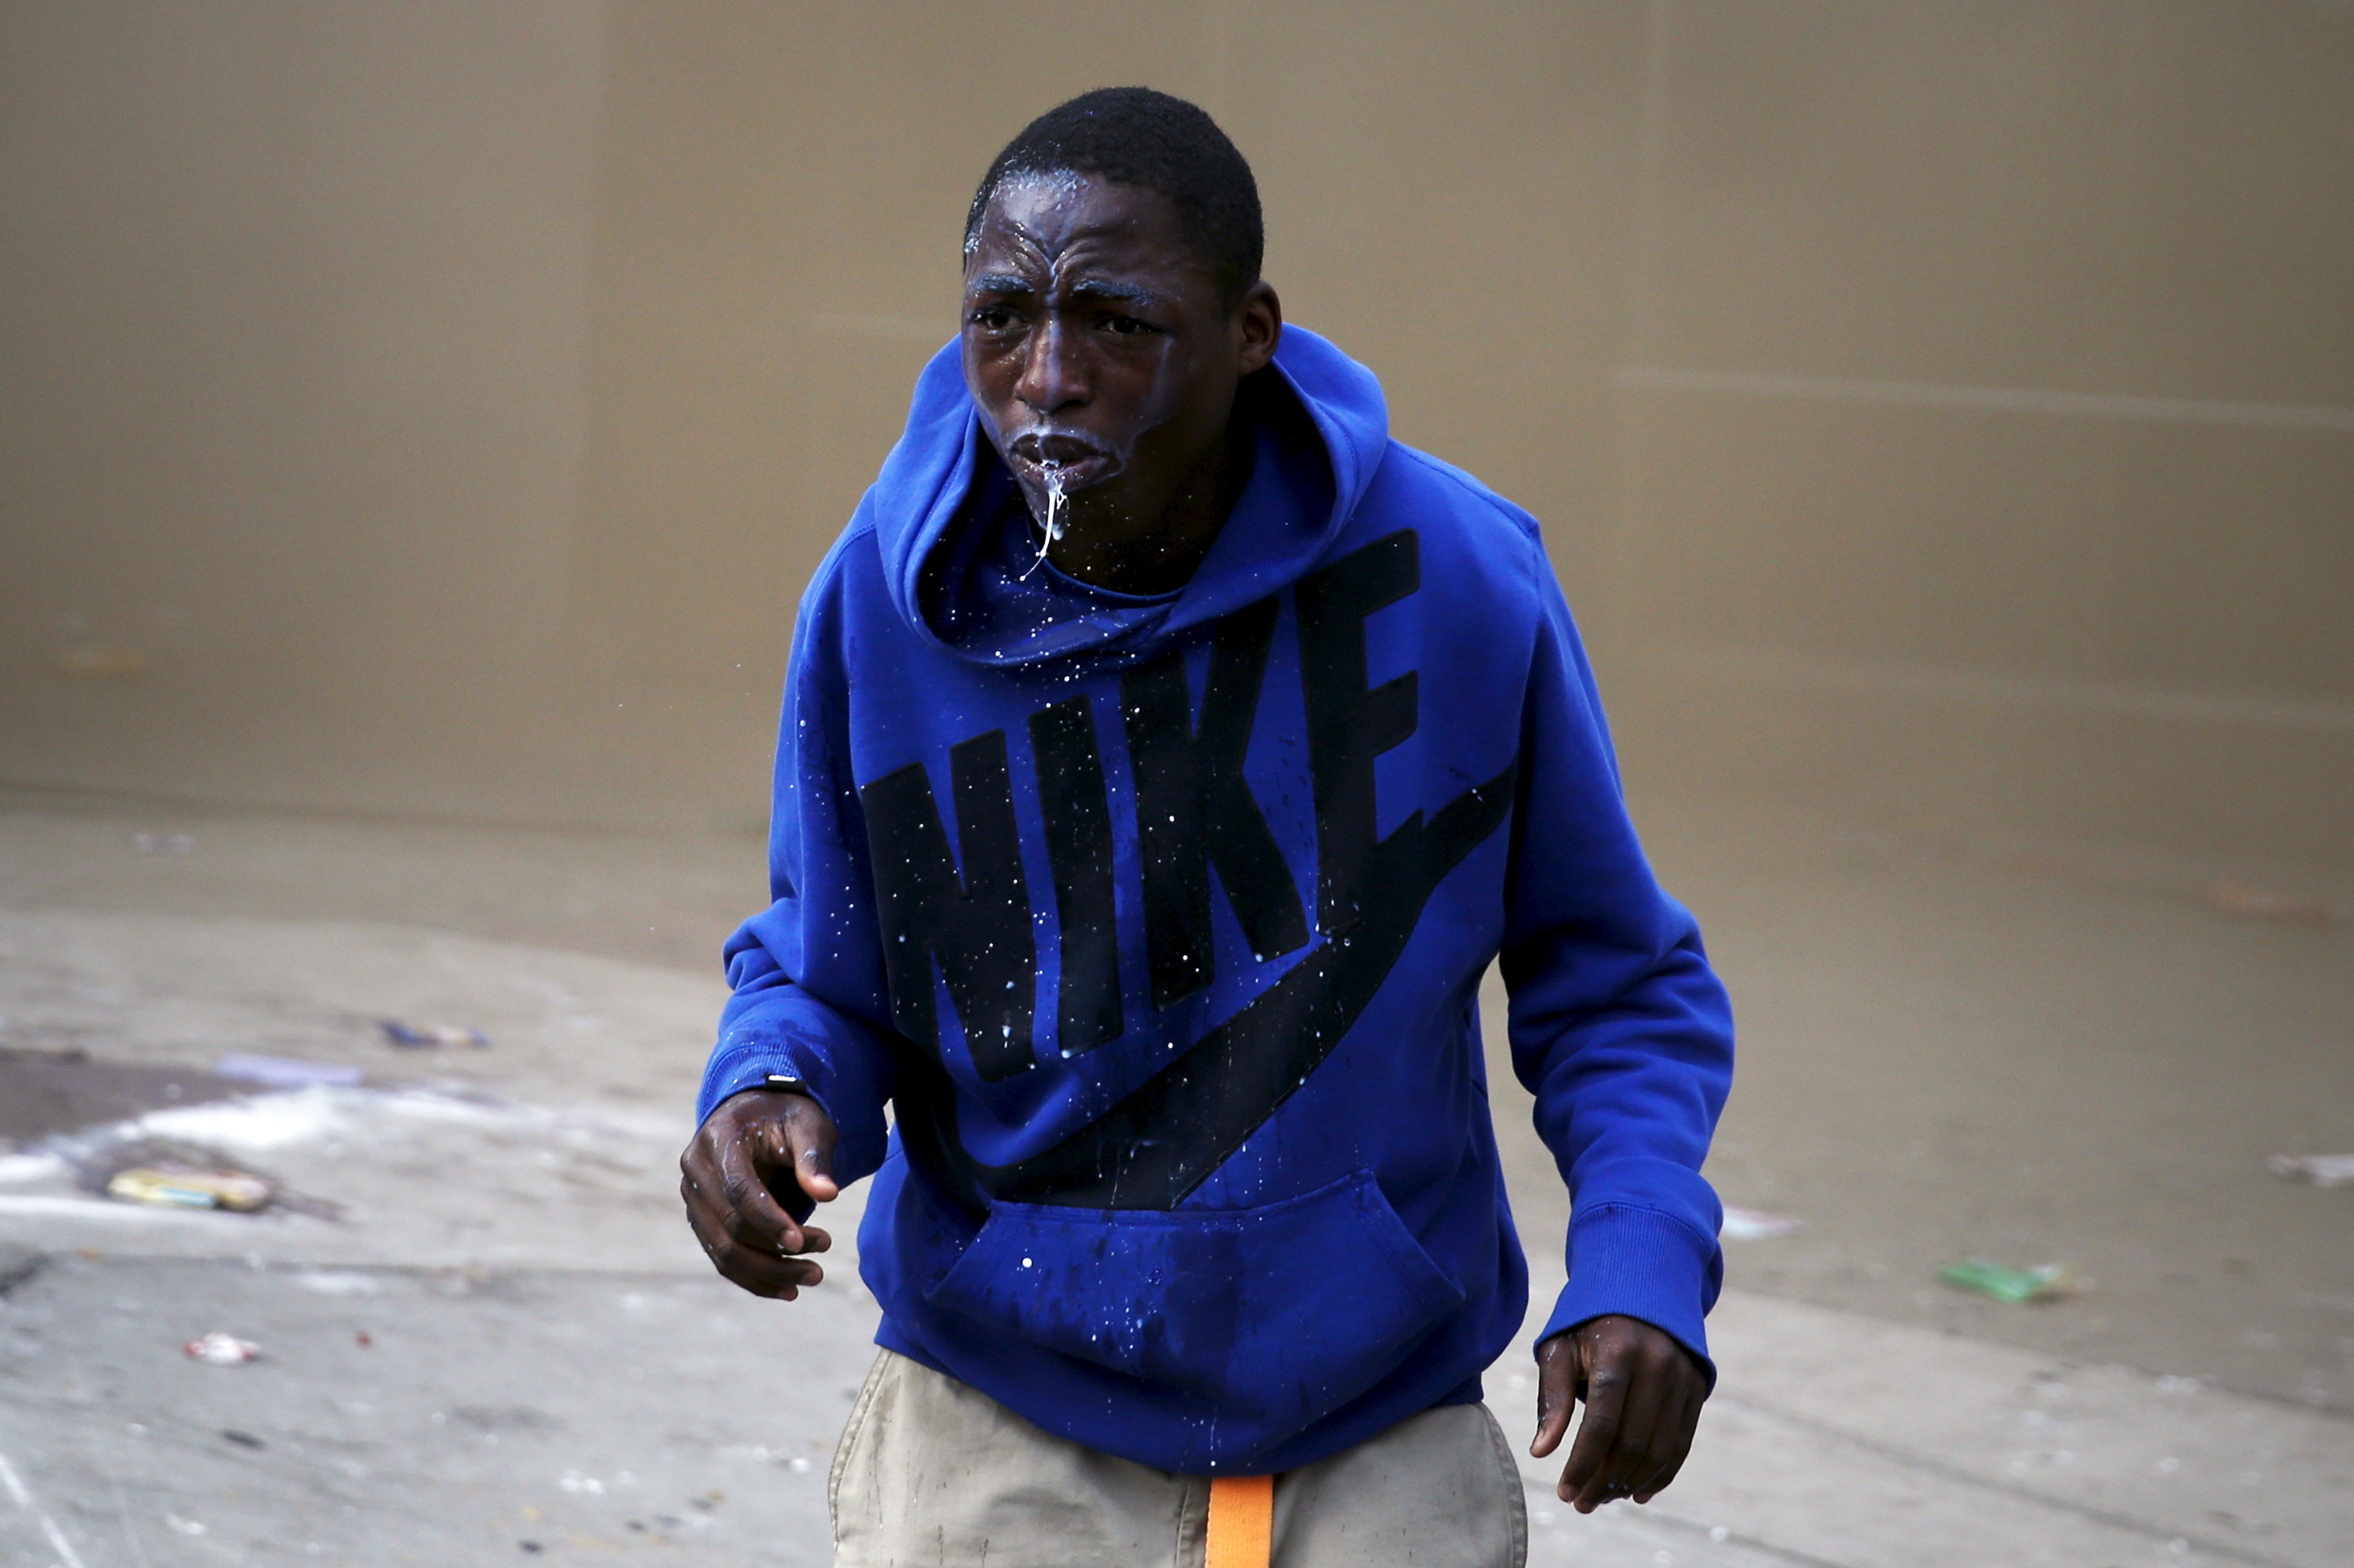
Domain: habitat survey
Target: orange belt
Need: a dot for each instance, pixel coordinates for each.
(1242, 1521)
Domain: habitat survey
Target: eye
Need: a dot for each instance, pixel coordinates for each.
(1127, 327)
(991, 318)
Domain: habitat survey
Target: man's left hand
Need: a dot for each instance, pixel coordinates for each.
(1642, 1394)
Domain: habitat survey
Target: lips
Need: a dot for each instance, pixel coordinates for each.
(1074, 459)
(1060, 449)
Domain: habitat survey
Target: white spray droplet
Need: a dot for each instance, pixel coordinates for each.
(1054, 529)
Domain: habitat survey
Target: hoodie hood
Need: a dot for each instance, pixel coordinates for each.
(914, 502)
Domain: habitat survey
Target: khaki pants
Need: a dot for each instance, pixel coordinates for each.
(934, 1473)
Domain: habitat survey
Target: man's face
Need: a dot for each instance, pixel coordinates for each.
(1097, 348)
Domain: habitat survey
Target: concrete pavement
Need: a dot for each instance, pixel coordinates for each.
(550, 1371)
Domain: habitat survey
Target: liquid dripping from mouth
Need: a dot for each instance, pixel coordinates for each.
(1054, 529)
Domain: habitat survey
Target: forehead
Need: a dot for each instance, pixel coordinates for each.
(1064, 220)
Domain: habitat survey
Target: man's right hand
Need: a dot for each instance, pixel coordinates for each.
(752, 1177)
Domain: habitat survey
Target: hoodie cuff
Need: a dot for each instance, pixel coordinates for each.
(1640, 1263)
(756, 1066)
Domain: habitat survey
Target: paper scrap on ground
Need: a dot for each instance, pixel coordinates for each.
(1755, 1224)
(221, 1349)
(2320, 1169)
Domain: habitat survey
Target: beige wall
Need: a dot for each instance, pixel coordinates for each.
(293, 319)
(449, 401)
(2124, 610)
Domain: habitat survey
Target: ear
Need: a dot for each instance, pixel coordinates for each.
(1258, 327)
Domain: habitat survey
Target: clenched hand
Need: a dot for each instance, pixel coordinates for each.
(1642, 1392)
(751, 1177)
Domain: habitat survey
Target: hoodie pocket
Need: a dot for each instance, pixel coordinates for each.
(1278, 1313)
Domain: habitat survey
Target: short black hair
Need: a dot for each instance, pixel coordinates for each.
(1136, 136)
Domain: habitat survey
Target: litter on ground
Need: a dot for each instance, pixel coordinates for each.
(1755, 1224)
(231, 1190)
(2316, 1170)
(420, 1037)
(2047, 1282)
(220, 1349)
(174, 1173)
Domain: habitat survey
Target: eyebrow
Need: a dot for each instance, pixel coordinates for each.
(1126, 294)
(1095, 290)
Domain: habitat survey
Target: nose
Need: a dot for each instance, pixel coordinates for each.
(1054, 370)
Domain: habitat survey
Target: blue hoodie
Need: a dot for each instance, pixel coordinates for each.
(1158, 924)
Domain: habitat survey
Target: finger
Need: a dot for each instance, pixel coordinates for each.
(781, 1277)
(747, 1155)
(1670, 1438)
(1660, 1374)
(761, 1273)
(1674, 1445)
(1654, 1406)
(716, 1221)
(1649, 1387)
(1585, 1478)
(1556, 1393)
(810, 1140)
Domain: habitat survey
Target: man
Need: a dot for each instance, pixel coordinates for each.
(1166, 754)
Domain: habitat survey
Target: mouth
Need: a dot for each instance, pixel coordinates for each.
(1061, 460)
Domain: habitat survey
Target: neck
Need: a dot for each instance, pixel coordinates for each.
(1148, 551)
